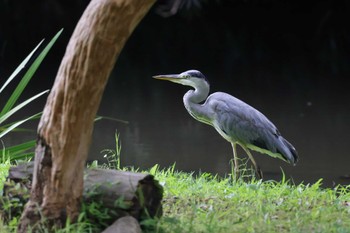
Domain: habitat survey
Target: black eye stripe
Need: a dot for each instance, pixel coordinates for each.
(196, 74)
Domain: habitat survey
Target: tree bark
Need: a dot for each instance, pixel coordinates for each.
(65, 128)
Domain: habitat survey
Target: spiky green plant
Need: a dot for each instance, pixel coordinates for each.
(11, 107)
(113, 156)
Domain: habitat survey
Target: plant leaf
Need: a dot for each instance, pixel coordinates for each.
(17, 151)
(154, 169)
(20, 67)
(28, 75)
(18, 123)
(98, 118)
(21, 105)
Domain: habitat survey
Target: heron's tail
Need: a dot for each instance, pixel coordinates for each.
(287, 150)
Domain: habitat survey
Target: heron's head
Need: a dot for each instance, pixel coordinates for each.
(191, 78)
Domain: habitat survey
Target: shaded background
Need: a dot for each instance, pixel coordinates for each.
(290, 60)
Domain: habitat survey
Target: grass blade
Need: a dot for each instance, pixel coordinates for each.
(17, 151)
(16, 124)
(28, 75)
(98, 118)
(21, 105)
(20, 67)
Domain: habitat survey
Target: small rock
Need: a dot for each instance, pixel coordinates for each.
(125, 224)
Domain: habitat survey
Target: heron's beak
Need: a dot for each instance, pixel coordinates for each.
(169, 77)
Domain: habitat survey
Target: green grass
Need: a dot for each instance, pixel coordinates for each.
(207, 203)
(4, 167)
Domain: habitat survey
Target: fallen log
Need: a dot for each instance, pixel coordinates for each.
(123, 193)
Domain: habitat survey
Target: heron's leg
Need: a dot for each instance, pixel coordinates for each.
(256, 166)
(235, 159)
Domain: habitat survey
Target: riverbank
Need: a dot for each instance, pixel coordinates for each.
(208, 203)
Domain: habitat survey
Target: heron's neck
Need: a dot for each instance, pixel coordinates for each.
(193, 98)
(198, 95)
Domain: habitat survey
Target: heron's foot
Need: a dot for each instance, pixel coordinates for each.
(259, 172)
(236, 173)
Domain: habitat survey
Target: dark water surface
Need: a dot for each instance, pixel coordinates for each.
(291, 62)
(160, 131)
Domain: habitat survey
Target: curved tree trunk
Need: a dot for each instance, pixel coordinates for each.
(65, 128)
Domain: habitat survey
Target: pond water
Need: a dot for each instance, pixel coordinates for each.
(160, 131)
(299, 81)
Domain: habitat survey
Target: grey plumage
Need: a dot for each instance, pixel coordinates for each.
(236, 121)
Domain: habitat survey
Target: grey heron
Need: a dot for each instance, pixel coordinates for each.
(236, 121)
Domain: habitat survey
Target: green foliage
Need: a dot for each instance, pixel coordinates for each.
(207, 203)
(113, 156)
(18, 152)
(4, 168)
(11, 108)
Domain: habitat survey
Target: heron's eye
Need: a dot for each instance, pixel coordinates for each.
(187, 76)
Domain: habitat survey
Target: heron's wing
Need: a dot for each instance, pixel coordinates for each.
(239, 122)
(238, 119)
